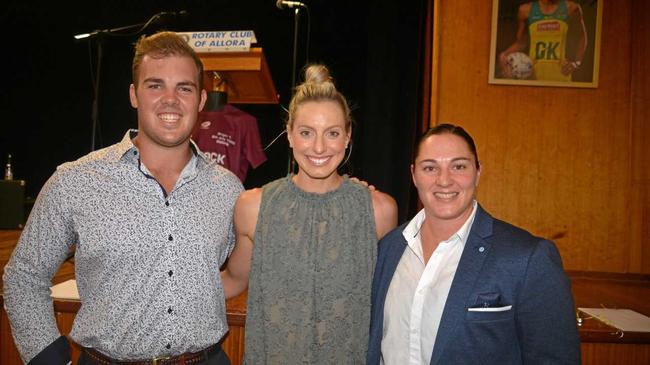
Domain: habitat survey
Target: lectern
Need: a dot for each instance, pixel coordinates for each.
(246, 74)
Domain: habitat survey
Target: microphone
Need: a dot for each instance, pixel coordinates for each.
(170, 17)
(162, 18)
(283, 4)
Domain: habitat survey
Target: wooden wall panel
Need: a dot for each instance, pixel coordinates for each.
(614, 354)
(8, 351)
(556, 161)
(640, 110)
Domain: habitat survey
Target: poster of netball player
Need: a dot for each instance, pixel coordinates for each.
(545, 42)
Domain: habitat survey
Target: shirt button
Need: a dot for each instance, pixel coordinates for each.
(135, 152)
(168, 346)
(170, 238)
(170, 310)
(167, 203)
(170, 273)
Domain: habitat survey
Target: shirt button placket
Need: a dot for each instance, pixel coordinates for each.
(169, 269)
(169, 214)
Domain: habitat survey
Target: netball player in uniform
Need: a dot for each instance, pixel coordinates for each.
(547, 25)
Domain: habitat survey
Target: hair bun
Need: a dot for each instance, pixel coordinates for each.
(318, 86)
(317, 74)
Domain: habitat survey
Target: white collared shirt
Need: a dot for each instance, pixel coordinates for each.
(417, 294)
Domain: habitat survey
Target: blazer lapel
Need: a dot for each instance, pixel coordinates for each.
(392, 258)
(469, 267)
(390, 253)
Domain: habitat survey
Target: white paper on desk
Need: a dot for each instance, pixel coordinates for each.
(65, 290)
(623, 319)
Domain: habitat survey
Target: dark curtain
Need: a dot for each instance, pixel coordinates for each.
(374, 49)
(394, 97)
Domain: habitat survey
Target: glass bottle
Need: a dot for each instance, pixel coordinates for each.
(9, 174)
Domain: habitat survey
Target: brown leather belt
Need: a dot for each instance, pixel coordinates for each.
(187, 358)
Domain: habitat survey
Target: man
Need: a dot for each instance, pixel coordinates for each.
(151, 220)
(543, 26)
(456, 286)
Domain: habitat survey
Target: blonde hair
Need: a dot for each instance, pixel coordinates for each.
(318, 86)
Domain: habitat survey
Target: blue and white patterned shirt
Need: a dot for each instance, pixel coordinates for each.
(147, 263)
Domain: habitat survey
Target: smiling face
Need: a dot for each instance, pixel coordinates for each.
(445, 174)
(318, 137)
(168, 98)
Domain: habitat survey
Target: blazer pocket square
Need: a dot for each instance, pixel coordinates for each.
(490, 309)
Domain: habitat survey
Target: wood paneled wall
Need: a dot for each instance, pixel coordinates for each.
(640, 135)
(570, 164)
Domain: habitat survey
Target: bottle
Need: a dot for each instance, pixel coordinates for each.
(9, 174)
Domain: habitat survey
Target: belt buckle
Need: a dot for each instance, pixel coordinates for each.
(155, 360)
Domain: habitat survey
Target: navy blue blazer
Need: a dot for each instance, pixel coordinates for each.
(501, 265)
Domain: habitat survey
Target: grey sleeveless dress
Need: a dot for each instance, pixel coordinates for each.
(309, 290)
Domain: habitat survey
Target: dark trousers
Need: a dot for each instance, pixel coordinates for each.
(217, 357)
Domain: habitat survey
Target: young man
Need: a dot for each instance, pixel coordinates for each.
(151, 220)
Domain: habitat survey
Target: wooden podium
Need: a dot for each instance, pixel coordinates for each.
(246, 74)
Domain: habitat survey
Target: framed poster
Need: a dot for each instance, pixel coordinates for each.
(545, 42)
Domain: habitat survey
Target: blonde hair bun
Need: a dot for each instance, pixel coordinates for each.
(318, 86)
(317, 74)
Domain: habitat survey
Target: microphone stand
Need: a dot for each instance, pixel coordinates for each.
(99, 35)
(296, 22)
(95, 108)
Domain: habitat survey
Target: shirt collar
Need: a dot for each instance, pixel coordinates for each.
(126, 151)
(126, 148)
(412, 231)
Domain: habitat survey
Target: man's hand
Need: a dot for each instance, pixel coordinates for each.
(364, 183)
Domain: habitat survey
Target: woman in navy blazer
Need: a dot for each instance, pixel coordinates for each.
(508, 300)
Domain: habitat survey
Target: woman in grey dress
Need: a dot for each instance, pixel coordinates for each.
(308, 242)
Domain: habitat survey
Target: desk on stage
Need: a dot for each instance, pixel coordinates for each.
(600, 343)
